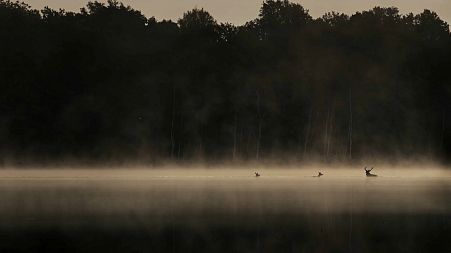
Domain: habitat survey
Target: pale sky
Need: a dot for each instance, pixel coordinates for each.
(240, 11)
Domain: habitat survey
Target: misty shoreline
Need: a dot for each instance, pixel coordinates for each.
(251, 165)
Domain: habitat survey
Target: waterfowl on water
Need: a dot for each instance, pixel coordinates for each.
(368, 172)
(256, 174)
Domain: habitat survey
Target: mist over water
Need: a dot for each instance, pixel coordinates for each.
(223, 190)
(222, 209)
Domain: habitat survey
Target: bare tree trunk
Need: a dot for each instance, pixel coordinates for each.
(179, 144)
(235, 136)
(350, 124)
(249, 143)
(442, 141)
(259, 126)
(326, 136)
(331, 126)
(200, 151)
(307, 133)
(259, 139)
(179, 152)
(172, 123)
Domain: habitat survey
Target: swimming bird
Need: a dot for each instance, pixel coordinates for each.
(319, 174)
(256, 174)
(368, 172)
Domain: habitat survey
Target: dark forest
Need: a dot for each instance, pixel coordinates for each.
(108, 83)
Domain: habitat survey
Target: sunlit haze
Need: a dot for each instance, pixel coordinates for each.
(238, 12)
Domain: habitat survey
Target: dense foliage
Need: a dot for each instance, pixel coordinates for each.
(107, 82)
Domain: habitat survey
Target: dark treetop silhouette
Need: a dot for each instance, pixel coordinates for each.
(108, 82)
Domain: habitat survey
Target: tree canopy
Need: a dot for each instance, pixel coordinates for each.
(109, 83)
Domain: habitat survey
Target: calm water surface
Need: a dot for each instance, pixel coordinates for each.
(225, 210)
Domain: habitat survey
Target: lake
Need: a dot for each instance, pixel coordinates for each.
(225, 210)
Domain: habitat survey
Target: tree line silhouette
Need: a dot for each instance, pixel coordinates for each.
(109, 83)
